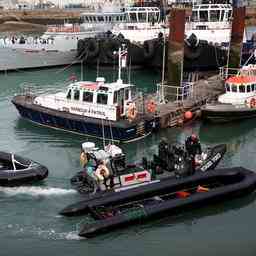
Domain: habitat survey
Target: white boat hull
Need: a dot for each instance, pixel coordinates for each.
(14, 59)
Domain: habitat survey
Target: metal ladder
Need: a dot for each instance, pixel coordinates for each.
(140, 128)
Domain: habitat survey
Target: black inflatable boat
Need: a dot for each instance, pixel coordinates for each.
(171, 160)
(128, 207)
(16, 170)
(114, 210)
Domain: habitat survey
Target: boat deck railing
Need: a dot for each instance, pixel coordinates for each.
(178, 93)
(225, 72)
(33, 89)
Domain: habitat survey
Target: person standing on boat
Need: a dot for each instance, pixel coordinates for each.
(193, 146)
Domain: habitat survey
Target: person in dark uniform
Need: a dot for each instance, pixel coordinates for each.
(193, 146)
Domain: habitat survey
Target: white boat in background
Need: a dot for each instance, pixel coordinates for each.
(210, 22)
(58, 45)
(239, 100)
(142, 23)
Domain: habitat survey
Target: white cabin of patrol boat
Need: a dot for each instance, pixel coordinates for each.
(98, 99)
(240, 89)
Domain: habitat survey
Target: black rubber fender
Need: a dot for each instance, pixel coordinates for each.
(92, 48)
(80, 48)
(192, 53)
(149, 49)
(112, 45)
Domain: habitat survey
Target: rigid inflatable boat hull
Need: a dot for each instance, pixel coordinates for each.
(237, 181)
(25, 171)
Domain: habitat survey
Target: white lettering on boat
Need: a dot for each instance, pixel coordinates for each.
(211, 162)
(89, 111)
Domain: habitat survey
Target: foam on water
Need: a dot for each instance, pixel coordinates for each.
(48, 234)
(36, 191)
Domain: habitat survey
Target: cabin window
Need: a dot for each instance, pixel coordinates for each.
(103, 88)
(157, 17)
(69, 94)
(214, 15)
(222, 15)
(203, 15)
(133, 17)
(229, 14)
(102, 98)
(248, 88)
(234, 88)
(115, 97)
(253, 87)
(151, 17)
(76, 94)
(88, 96)
(194, 16)
(142, 17)
(241, 88)
(227, 87)
(126, 94)
(101, 19)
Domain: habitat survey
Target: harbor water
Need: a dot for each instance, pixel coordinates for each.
(29, 219)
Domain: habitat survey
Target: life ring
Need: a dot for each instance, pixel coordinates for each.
(132, 111)
(102, 172)
(252, 103)
(151, 106)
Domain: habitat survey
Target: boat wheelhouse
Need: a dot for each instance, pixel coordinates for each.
(241, 88)
(142, 23)
(238, 101)
(99, 109)
(108, 101)
(210, 22)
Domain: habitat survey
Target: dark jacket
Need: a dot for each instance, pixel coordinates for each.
(193, 146)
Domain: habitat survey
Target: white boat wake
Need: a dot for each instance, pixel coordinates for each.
(36, 191)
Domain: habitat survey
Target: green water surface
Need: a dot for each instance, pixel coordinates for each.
(29, 220)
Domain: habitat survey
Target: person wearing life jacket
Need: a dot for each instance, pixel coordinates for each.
(84, 157)
(86, 162)
(102, 173)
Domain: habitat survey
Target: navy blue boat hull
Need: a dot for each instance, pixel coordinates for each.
(83, 125)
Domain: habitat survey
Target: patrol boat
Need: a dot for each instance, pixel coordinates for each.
(171, 160)
(99, 109)
(239, 100)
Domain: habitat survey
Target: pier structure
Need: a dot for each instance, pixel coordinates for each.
(176, 97)
(237, 34)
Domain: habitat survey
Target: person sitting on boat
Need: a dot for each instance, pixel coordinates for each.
(87, 162)
(83, 158)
